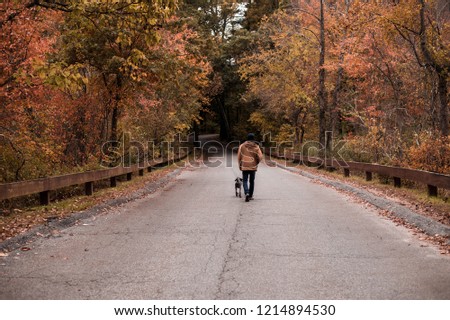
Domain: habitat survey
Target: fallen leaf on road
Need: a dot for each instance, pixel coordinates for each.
(3, 254)
(25, 249)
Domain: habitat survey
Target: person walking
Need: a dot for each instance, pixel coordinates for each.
(249, 156)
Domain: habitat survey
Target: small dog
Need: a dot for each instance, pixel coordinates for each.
(237, 187)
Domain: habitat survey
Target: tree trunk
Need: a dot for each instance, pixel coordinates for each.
(116, 112)
(322, 75)
(441, 71)
(302, 134)
(335, 111)
(296, 123)
(114, 124)
(296, 135)
(223, 119)
(443, 103)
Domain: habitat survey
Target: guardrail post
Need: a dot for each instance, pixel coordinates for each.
(113, 181)
(432, 191)
(149, 169)
(141, 172)
(346, 172)
(89, 188)
(397, 182)
(129, 176)
(44, 197)
(368, 176)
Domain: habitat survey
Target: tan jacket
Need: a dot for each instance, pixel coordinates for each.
(249, 156)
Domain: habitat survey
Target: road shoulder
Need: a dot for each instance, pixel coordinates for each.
(430, 229)
(114, 199)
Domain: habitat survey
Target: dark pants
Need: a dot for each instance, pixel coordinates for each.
(248, 175)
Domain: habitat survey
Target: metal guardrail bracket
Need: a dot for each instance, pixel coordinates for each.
(432, 191)
(89, 188)
(44, 197)
(346, 172)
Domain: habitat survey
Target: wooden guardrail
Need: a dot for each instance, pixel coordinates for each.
(43, 186)
(431, 179)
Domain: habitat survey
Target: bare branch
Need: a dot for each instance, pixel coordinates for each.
(37, 3)
(411, 43)
(307, 12)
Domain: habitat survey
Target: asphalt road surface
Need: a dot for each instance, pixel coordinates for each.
(195, 240)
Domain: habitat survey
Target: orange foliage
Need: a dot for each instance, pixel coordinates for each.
(48, 127)
(431, 153)
(26, 129)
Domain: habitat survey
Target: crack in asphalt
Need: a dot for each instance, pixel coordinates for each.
(211, 253)
(228, 257)
(236, 249)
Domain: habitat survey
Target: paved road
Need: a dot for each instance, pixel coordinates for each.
(195, 240)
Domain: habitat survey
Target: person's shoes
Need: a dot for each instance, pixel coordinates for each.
(251, 198)
(247, 198)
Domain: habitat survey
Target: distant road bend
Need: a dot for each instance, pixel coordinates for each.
(195, 240)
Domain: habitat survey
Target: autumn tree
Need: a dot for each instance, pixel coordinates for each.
(171, 103)
(77, 73)
(394, 91)
(424, 26)
(227, 29)
(27, 135)
(218, 22)
(257, 10)
(280, 72)
(119, 45)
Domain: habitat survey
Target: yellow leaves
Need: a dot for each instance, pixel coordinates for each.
(68, 77)
(134, 65)
(123, 39)
(181, 127)
(259, 120)
(404, 15)
(152, 38)
(152, 21)
(280, 76)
